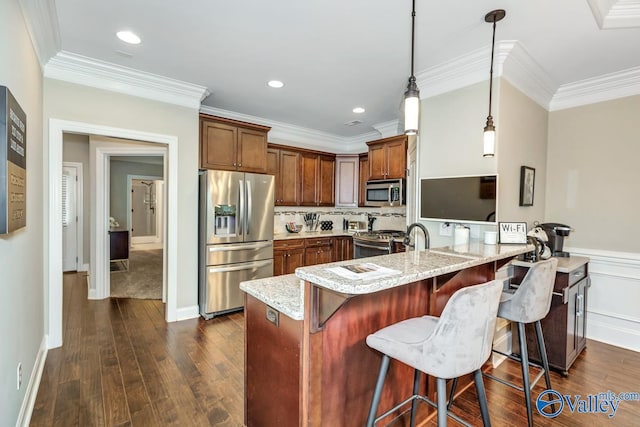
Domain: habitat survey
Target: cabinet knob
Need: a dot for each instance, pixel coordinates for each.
(234, 164)
(239, 164)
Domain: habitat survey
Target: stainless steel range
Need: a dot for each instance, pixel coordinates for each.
(375, 243)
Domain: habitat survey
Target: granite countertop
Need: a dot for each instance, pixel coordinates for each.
(565, 264)
(284, 293)
(409, 266)
(310, 234)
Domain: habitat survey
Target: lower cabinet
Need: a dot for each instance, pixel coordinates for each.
(565, 326)
(318, 251)
(287, 256)
(290, 254)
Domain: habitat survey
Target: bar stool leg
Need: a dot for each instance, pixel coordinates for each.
(524, 356)
(375, 400)
(543, 354)
(482, 398)
(414, 402)
(454, 384)
(441, 390)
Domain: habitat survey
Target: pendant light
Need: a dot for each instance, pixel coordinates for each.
(412, 95)
(489, 129)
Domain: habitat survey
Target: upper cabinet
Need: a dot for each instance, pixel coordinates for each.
(347, 181)
(388, 158)
(318, 179)
(285, 165)
(364, 177)
(303, 177)
(227, 144)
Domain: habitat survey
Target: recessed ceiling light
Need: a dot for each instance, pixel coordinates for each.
(128, 37)
(358, 110)
(275, 84)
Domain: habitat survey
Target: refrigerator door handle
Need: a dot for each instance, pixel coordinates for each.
(249, 214)
(236, 267)
(240, 214)
(240, 247)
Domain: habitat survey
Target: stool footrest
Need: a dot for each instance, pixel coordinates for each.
(427, 401)
(510, 384)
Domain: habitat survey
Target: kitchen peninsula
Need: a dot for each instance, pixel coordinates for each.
(306, 360)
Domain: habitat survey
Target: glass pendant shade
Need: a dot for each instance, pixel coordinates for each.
(411, 109)
(489, 139)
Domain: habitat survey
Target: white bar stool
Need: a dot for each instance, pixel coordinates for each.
(455, 344)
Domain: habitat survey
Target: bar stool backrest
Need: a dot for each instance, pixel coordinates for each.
(461, 341)
(532, 300)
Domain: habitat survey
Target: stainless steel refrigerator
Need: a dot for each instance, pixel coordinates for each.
(236, 237)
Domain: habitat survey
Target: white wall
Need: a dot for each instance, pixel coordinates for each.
(75, 148)
(521, 141)
(592, 186)
(21, 252)
(66, 101)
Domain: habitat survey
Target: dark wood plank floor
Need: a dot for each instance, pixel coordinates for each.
(121, 364)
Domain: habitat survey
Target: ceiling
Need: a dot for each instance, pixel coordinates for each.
(334, 55)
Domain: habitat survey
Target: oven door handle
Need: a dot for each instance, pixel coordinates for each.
(364, 245)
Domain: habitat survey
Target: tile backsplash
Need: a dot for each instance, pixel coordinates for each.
(386, 218)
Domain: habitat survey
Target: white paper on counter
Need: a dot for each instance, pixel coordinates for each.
(362, 271)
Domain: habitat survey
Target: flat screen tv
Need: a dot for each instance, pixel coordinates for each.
(459, 199)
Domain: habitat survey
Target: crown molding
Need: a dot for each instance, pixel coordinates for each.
(390, 128)
(91, 72)
(602, 88)
(285, 133)
(523, 72)
(512, 62)
(612, 14)
(41, 19)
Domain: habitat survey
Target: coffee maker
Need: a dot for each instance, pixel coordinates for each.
(556, 234)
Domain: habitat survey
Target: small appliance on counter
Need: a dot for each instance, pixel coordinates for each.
(556, 234)
(357, 226)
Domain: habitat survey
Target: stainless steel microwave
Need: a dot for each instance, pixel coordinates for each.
(385, 192)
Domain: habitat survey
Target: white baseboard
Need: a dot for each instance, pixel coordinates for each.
(91, 293)
(83, 267)
(24, 417)
(190, 312)
(612, 311)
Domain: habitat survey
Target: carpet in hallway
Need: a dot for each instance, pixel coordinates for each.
(144, 278)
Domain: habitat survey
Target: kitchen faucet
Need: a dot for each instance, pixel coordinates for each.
(407, 237)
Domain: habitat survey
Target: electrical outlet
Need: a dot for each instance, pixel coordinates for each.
(446, 229)
(19, 376)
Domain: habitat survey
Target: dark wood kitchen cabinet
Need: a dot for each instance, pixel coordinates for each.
(317, 186)
(233, 145)
(318, 251)
(342, 248)
(285, 166)
(388, 158)
(564, 328)
(364, 177)
(287, 256)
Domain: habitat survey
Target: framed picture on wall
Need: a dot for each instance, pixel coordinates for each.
(527, 184)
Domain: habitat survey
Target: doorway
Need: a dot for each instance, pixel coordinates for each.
(53, 239)
(145, 209)
(72, 217)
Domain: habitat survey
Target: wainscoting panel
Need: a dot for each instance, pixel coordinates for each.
(613, 300)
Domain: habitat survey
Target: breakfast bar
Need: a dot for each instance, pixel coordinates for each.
(306, 360)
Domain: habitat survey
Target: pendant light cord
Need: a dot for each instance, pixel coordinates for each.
(413, 33)
(493, 42)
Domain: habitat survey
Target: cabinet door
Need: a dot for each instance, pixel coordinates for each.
(309, 174)
(396, 154)
(342, 248)
(347, 181)
(273, 157)
(218, 146)
(295, 259)
(252, 151)
(325, 187)
(573, 319)
(377, 162)
(279, 262)
(288, 178)
(581, 316)
(364, 176)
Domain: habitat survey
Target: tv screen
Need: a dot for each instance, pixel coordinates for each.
(464, 199)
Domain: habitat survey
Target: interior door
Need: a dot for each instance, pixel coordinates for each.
(69, 219)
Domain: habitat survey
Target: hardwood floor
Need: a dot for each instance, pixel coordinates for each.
(121, 364)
